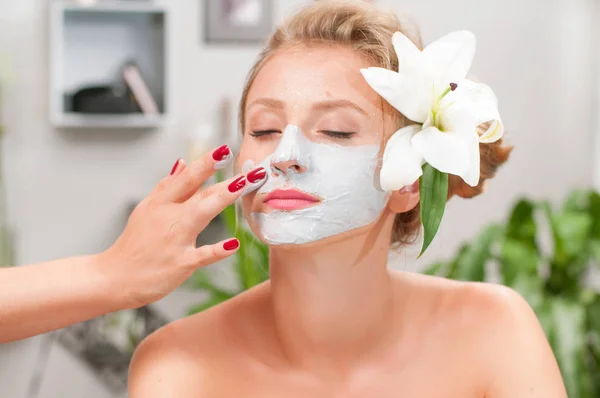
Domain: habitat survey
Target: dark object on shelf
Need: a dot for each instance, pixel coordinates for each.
(104, 100)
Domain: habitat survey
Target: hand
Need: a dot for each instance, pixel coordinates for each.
(157, 250)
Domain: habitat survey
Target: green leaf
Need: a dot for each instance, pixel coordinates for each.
(595, 251)
(474, 258)
(570, 232)
(577, 201)
(574, 231)
(518, 257)
(530, 287)
(200, 280)
(433, 269)
(593, 313)
(543, 312)
(594, 212)
(521, 225)
(229, 218)
(246, 260)
(455, 264)
(568, 321)
(433, 189)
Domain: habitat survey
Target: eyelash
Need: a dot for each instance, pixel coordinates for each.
(344, 135)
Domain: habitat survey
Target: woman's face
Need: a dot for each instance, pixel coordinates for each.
(315, 125)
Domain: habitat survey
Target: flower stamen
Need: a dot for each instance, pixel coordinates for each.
(436, 107)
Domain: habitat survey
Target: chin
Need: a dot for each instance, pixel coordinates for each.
(356, 235)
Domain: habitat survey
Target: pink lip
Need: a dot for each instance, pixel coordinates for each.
(289, 199)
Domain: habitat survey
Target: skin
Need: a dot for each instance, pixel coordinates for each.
(155, 254)
(333, 321)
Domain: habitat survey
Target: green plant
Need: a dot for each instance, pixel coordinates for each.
(251, 263)
(553, 283)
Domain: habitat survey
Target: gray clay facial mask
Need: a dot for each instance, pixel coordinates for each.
(343, 177)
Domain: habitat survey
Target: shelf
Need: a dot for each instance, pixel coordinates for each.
(89, 46)
(83, 120)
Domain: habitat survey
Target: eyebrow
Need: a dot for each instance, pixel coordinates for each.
(322, 105)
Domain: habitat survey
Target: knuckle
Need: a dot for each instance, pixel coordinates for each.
(205, 193)
(175, 230)
(216, 251)
(186, 177)
(191, 259)
(223, 193)
(162, 184)
(148, 204)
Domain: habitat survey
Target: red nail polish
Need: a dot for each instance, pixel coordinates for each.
(256, 175)
(221, 153)
(174, 168)
(237, 184)
(231, 244)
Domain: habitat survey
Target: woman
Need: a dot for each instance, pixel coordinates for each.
(333, 320)
(155, 253)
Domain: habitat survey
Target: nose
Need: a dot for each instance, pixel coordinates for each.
(292, 153)
(283, 166)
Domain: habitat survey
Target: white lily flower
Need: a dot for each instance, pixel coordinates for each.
(431, 88)
(401, 161)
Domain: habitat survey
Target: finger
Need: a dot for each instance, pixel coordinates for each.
(193, 176)
(256, 178)
(208, 203)
(180, 166)
(208, 254)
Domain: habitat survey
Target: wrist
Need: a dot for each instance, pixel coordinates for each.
(112, 290)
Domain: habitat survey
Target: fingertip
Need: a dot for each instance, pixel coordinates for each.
(231, 244)
(237, 184)
(222, 157)
(175, 166)
(181, 166)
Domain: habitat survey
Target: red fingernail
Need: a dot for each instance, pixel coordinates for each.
(221, 153)
(175, 166)
(237, 184)
(256, 175)
(231, 244)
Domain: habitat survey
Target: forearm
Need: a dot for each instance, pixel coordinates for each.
(43, 297)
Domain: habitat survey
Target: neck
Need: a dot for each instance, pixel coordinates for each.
(332, 302)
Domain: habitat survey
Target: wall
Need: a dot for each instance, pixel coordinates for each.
(68, 191)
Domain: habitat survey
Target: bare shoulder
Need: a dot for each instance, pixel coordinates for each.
(479, 306)
(512, 344)
(179, 359)
(498, 333)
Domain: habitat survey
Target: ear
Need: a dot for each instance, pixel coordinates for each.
(404, 199)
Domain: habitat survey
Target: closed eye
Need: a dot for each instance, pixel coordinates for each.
(338, 134)
(261, 133)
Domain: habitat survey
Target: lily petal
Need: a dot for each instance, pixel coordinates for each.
(451, 57)
(408, 54)
(401, 161)
(481, 100)
(450, 152)
(409, 94)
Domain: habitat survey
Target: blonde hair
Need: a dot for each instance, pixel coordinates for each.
(368, 30)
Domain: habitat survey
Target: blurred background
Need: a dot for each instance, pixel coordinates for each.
(99, 98)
